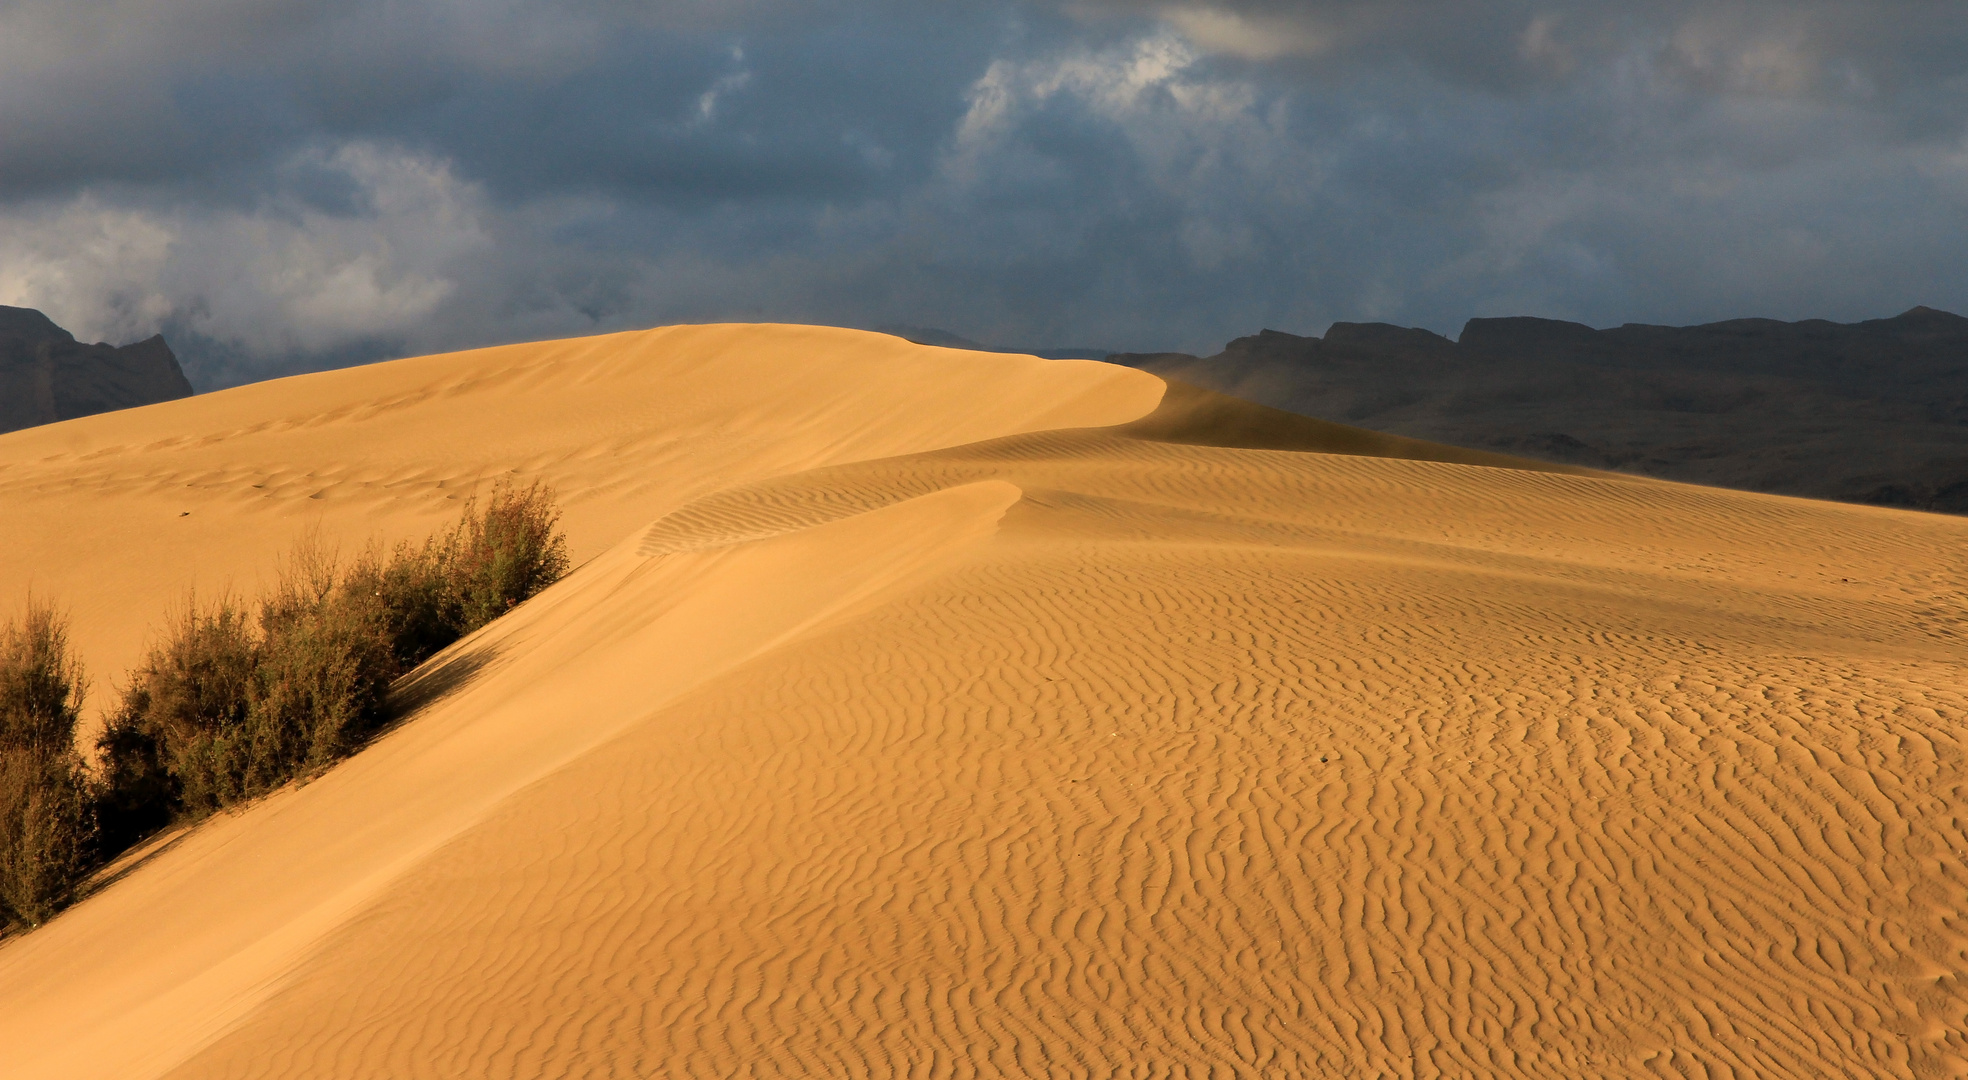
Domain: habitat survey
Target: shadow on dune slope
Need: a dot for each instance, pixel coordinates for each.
(1193, 416)
(1188, 421)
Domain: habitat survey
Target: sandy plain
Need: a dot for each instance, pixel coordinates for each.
(915, 712)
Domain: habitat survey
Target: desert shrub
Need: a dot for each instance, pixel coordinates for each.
(191, 698)
(505, 553)
(41, 685)
(136, 792)
(412, 590)
(228, 707)
(46, 824)
(45, 834)
(326, 661)
(497, 556)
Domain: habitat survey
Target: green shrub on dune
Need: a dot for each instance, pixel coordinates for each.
(325, 665)
(228, 707)
(44, 836)
(494, 558)
(499, 557)
(136, 791)
(232, 702)
(46, 827)
(185, 712)
(413, 596)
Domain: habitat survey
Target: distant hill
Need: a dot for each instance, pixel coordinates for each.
(46, 375)
(1870, 412)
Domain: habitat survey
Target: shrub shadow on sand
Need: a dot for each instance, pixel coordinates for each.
(438, 678)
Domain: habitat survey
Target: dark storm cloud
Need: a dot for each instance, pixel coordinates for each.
(303, 183)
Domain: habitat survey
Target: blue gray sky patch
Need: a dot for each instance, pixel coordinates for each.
(287, 184)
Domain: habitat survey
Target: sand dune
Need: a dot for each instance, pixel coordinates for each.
(924, 713)
(118, 514)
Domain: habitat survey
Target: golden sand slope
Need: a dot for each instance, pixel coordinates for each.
(117, 514)
(1088, 753)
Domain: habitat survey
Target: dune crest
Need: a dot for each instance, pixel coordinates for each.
(117, 515)
(1147, 734)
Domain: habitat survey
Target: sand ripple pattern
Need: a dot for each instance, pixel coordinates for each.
(1221, 763)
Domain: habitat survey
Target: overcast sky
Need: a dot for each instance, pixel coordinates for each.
(284, 184)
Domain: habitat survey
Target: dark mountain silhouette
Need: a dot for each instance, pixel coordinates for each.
(46, 375)
(1871, 412)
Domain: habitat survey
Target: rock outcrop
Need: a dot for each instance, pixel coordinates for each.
(46, 375)
(1872, 412)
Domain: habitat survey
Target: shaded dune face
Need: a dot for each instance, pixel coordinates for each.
(1109, 749)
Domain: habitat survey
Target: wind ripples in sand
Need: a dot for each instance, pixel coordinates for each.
(933, 730)
(1164, 784)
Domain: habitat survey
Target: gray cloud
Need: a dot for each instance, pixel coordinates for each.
(289, 185)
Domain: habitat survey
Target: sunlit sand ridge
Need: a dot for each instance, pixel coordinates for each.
(923, 713)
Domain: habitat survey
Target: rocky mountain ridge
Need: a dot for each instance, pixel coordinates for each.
(1870, 412)
(46, 375)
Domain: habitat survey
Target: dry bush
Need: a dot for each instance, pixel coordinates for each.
(232, 703)
(191, 697)
(136, 793)
(412, 589)
(228, 707)
(46, 826)
(41, 685)
(45, 835)
(505, 553)
(232, 708)
(326, 661)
